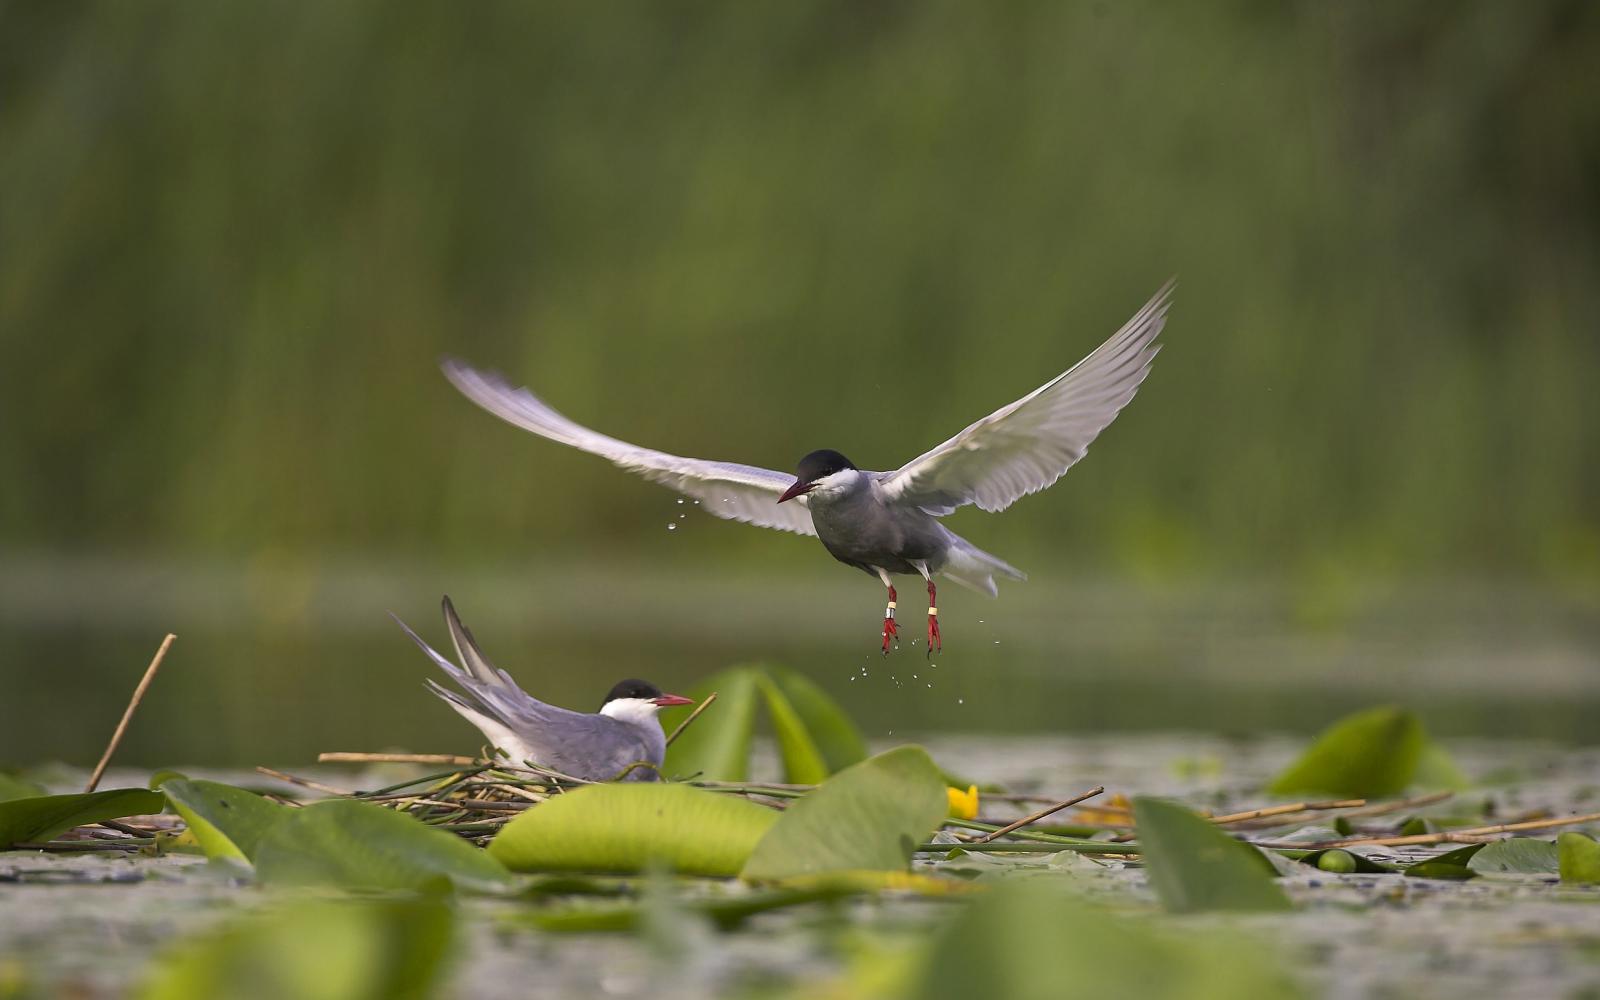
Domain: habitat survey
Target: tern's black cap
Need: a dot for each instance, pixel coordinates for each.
(820, 464)
(632, 688)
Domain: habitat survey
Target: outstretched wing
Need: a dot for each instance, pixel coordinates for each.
(735, 492)
(1027, 445)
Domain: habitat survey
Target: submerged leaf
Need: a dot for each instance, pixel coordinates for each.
(1195, 866)
(37, 819)
(359, 845)
(717, 746)
(869, 816)
(1520, 855)
(314, 950)
(628, 827)
(802, 761)
(226, 822)
(1580, 859)
(1369, 754)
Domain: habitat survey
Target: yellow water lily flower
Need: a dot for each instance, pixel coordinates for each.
(964, 805)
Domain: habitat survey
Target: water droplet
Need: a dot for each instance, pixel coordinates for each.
(682, 516)
(961, 701)
(672, 527)
(680, 499)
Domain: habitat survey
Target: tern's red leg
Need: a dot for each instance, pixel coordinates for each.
(890, 630)
(935, 643)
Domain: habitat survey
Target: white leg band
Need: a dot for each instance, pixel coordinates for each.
(933, 612)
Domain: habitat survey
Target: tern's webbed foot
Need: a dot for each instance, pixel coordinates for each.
(935, 642)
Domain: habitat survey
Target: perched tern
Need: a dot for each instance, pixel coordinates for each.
(886, 522)
(600, 747)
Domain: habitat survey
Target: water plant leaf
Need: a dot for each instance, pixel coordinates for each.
(38, 818)
(13, 787)
(629, 827)
(1450, 865)
(1029, 940)
(802, 761)
(1519, 855)
(1579, 859)
(226, 822)
(1369, 754)
(371, 949)
(833, 732)
(359, 845)
(717, 746)
(869, 816)
(1195, 866)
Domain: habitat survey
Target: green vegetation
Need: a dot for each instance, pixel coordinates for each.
(238, 237)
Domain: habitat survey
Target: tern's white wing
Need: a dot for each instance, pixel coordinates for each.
(1027, 445)
(736, 492)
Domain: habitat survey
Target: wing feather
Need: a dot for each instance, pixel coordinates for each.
(727, 490)
(1027, 445)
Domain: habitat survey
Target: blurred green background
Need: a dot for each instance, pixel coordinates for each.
(236, 237)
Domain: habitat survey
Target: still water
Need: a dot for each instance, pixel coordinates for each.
(278, 660)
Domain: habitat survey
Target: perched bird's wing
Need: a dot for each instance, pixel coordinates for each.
(735, 492)
(1027, 445)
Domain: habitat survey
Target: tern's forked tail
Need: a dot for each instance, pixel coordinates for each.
(972, 567)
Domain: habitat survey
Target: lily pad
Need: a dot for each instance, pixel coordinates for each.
(717, 746)
(1369, 754)
(1580, 859)
(315, 950)
(226, 822)
(629, 827)
(1519, 855)
(359, 845)
(41, 817)
(869, 816)
(1195, 866)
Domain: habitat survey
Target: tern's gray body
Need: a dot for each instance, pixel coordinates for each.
(596, 747)
(861, 528)
(887, 522)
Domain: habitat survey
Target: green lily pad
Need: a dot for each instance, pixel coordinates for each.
(359, 845)
(227, 822)
(1195, 866)
(869, 816)
(41, 817)
(629, 827)
(1579, 859)
(388, 949)
(1519, 855)
(717, 746)
(1369, 754)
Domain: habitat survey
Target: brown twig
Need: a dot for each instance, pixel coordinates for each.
(1240, 817)
(1041, 814)
(127, 715)
(1384, 808)
(692, 716)
(315, 786)
(349, 757)
(1469, 836)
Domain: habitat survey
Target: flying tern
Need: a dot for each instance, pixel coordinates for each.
(886, 523)
(600, 747)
